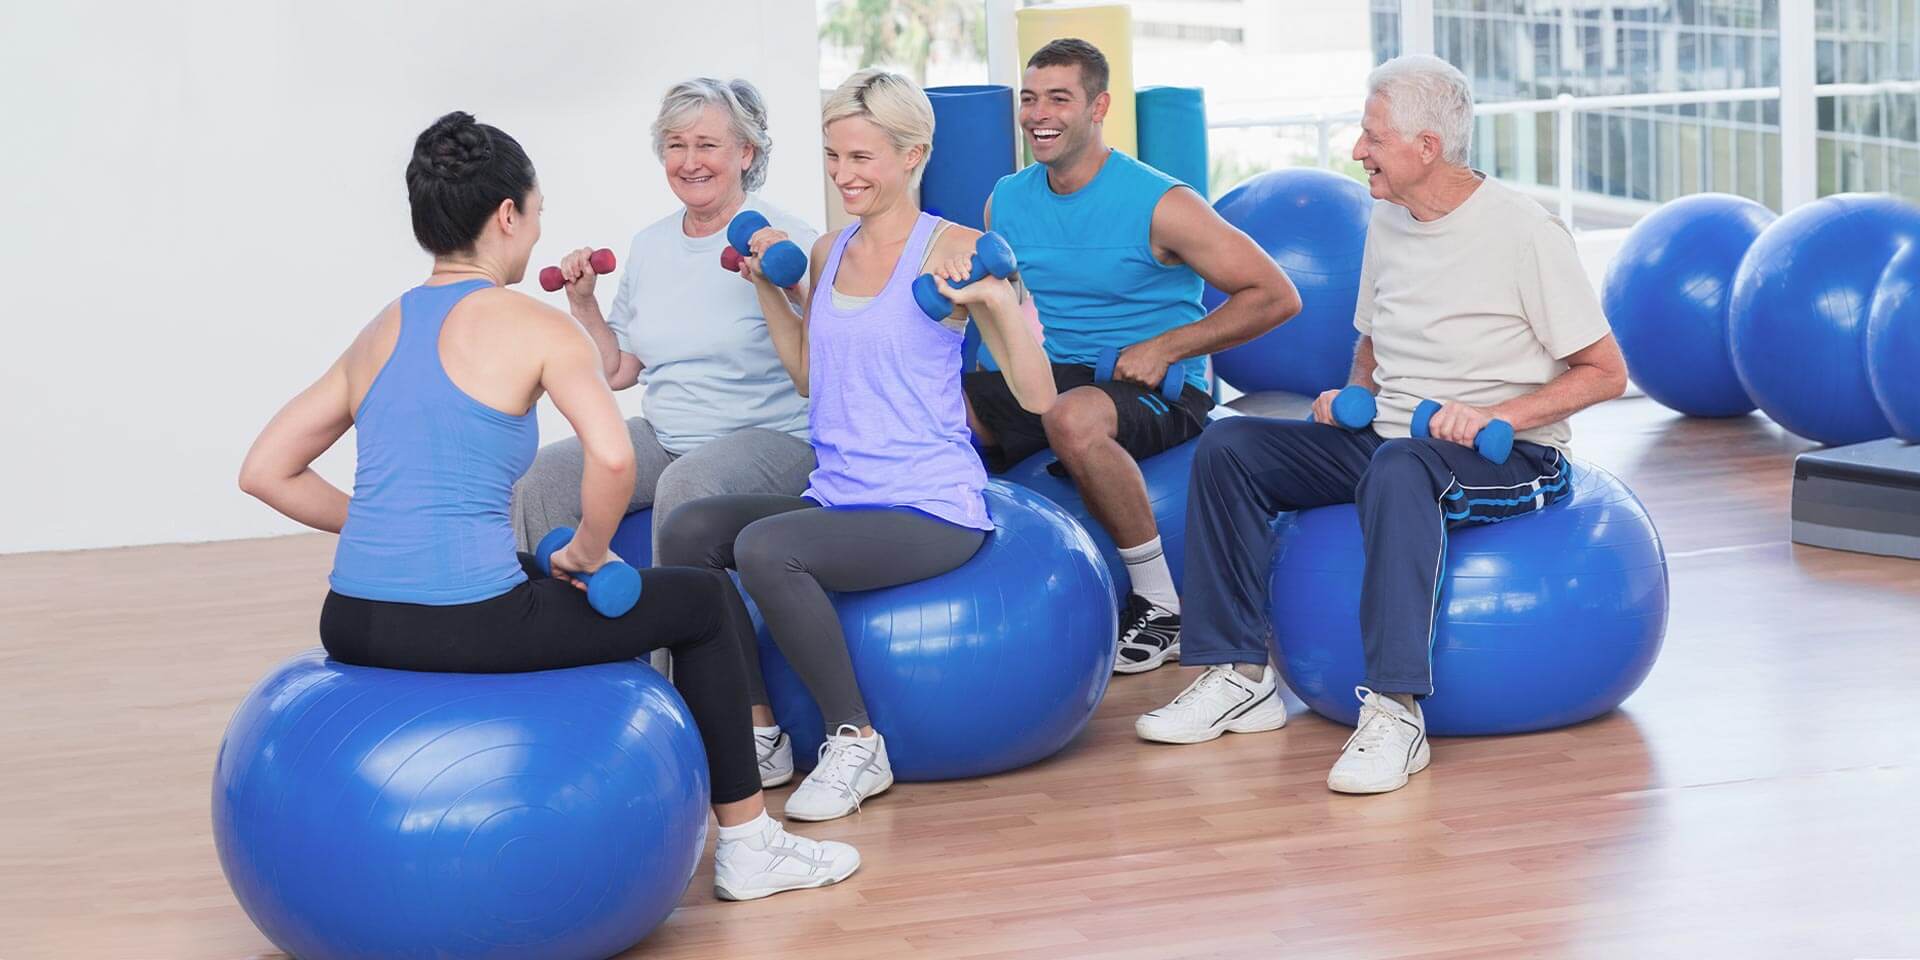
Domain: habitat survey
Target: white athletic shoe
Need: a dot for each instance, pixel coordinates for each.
(1220, 701)
(773, 861)
(775, 751)
(851, 769)
(1388, 745)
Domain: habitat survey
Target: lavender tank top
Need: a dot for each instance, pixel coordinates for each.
(888, 422)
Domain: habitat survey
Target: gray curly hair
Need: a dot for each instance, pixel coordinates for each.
(746, 116)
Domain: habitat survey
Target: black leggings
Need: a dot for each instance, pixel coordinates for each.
(545, 624)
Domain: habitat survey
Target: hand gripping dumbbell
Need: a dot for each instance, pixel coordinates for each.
(1170, 387)
(612, 590)
(991, 257)
(600, 260)
(784, 263)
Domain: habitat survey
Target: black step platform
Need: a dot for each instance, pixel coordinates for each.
(1864, 498)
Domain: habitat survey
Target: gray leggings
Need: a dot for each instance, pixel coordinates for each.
(790, 552)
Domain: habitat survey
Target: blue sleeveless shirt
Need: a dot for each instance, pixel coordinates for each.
(1087, 257)
(428, 520)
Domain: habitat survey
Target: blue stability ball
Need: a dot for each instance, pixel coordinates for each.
(1544, 620)
(1314, 224)
(1799, 320)
(1666, 296)
(1166, 474)
(985, 668)
(633, 539)
(383, 813)
(1893, 344)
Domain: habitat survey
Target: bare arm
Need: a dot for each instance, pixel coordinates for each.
(621, 369)
(1004, 315)
(786, 313)
(571, 375)
(1363, 365)
(1259, 295)
(278, 469)
(1595, 374)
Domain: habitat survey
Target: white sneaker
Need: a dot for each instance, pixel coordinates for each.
(775, 751)
(1220, 701)
(851, 769)
(772, 860)
(1388, 745)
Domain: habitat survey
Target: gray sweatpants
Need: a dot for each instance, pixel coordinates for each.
(754, 460)
(790, 552)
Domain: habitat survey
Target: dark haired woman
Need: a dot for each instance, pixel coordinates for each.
(441, 387)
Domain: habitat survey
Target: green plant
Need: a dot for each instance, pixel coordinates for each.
(903, 33)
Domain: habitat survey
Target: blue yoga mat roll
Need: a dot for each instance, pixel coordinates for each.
(972, 150)
(1173, 133)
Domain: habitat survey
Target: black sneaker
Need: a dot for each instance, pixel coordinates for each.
(1149, 636)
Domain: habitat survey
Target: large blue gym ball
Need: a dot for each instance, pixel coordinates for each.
(1314, 224)
(1799, 318)
(1544, 620)
(991, 666)
(1893, 344)
(1667, 296)
(1166, 475)
(633, 539)
(384, 813)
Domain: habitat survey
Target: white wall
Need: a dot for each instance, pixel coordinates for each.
(205, 202)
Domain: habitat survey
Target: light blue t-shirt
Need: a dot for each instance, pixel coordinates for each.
(710, 366)
(1087, 257)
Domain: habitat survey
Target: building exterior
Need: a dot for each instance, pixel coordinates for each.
(1535, 49)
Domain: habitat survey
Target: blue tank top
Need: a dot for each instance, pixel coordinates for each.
(1087, 256)
(428, 521)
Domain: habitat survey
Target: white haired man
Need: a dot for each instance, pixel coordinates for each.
(1470, 295)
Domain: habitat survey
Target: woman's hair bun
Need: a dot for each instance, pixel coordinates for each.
(454, 148)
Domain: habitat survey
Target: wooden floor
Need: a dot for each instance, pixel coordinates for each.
(1758, 797)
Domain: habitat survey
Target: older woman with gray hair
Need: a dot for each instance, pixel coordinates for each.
(1471, 295)
(721, 414)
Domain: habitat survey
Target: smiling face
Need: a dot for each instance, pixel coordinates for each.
(1395, 164)
(864, 165)
(1060, 122)
(704, 160)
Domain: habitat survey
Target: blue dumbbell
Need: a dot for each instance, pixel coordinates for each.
(1354, 408)
(991, 257)
(1495, 440)
(612, 590)
(784, 263)
(1170, 387)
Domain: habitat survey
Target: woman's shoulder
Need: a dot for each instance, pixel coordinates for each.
(954, 239)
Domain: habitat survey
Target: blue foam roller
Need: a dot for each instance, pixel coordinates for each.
(551, 815)
(972, 149)
(1173, 133)
(952, 669)
(1313, 223)
(1798, 323)
(1543, 620)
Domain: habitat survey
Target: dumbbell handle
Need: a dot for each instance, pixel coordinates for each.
(601, 260)
(1170, 387)
(784, 263)
(612, 590)
(1494, 441)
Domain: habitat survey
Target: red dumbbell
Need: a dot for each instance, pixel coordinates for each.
(730, 260)
(600, 260)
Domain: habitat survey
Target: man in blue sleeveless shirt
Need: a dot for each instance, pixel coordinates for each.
(1115, 253)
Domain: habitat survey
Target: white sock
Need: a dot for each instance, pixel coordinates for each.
(746, 831)
(1147, 567)
(771, 733)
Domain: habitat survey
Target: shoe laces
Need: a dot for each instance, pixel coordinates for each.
(1209, 680)
(1376, 725)
(839, 757)
(1139, 612)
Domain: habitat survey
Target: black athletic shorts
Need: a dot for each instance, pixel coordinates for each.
(1148, 422)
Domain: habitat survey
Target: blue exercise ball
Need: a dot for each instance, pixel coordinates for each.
(1799, 315)
(1314, 224)
(385, 813)
(1667, 295)
(994, 665)
(1166, 475)
(1544, 620)
(1893, 343)
(633, 539)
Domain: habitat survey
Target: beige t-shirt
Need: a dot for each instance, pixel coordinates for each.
(1479, 306)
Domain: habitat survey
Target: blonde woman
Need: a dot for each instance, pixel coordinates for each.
(888, 426)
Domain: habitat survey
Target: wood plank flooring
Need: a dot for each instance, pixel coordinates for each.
(1757, 798)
